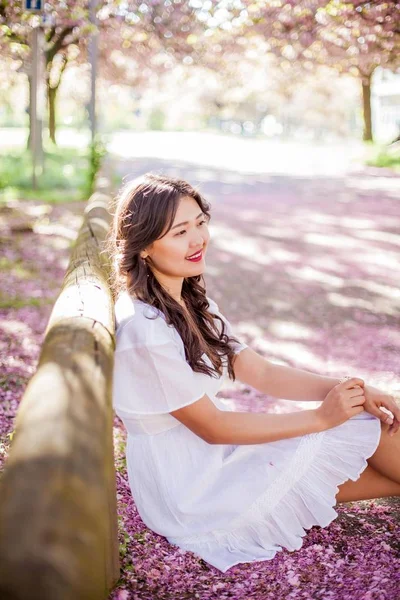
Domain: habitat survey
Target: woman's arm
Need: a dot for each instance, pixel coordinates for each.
(257, 428)
(280, 381)
(217, 426)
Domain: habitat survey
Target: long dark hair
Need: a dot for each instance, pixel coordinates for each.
(144, 211)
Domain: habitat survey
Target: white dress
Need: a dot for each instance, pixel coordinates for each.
(228, 504)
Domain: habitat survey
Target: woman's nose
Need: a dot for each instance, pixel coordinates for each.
(197, 240)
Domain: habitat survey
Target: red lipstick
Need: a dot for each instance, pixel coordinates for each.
(196, 257)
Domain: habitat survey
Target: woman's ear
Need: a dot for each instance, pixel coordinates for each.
(146, 252)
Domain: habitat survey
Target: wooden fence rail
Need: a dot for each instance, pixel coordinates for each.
(58, 517)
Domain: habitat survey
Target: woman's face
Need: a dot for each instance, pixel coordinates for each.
(188, 236)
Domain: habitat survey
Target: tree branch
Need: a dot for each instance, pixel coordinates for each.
(58, 44)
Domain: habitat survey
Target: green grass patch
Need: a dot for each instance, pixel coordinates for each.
(17, 268)
(20, 302)
(384, 156)
(66, 175)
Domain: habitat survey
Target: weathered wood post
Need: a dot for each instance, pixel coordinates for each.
(58, 517)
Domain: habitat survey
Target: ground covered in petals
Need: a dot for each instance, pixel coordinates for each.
(305, 269)
(34, 257)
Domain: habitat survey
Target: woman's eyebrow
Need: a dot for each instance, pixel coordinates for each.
(186, 222)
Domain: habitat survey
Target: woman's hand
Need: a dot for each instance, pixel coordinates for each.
(374, 399)
(344, 401)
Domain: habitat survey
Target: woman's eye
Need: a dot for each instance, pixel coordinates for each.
(184, 230)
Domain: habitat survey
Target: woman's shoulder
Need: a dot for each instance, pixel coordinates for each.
(139, 323)
(213, 306)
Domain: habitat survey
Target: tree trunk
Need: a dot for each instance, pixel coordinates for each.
(367, 115)
(52, 91)
(51, 98)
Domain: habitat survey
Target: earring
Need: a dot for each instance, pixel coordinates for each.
(145, 264)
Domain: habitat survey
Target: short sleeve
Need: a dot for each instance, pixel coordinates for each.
(214, 309)
(153, 379)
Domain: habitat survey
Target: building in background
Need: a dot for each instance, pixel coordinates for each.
(385, 103)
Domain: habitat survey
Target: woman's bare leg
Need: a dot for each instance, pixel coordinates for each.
(386, 459)
(381, 479)
(370, 485)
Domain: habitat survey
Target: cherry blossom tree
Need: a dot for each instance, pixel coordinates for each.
(351, 36)
(157, 34)
(66, 25)
(357, 37)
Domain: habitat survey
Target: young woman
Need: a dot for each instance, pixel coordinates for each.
(232, 487)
